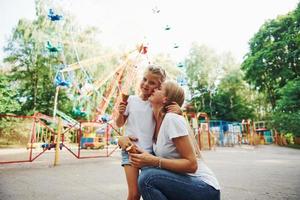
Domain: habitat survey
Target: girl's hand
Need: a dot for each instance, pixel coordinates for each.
(122, 107)
(174, 108)
(126, 141)
(143, 159)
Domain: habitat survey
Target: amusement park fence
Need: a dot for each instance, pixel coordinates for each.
(36, 135)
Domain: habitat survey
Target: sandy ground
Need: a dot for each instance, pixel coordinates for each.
(244, 172)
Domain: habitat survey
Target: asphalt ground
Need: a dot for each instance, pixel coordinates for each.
(244, 172)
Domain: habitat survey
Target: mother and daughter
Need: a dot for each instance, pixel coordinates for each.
(167, 154)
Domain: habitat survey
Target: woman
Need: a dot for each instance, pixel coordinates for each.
(175, 172)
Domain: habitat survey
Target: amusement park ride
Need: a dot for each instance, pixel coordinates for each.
(99, 132)
(200, 123)
(110, 87)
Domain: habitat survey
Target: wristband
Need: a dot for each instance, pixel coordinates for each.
(159, 163)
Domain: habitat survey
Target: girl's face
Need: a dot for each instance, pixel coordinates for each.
(158, 96)
(149, 82)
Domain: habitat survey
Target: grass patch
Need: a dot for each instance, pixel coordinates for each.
(294, 146)
(9, 144)
(4, 142)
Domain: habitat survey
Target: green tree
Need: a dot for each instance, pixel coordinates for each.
(8, 101)
(231, 100)
(202, 69)
(31, 70)
(217, 86)
(34, 67)
(273, 59)
(286, 116)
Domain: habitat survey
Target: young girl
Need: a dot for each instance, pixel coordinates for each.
(140, 124)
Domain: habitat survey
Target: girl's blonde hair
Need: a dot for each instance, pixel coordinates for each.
(175, 93)
(157, 70)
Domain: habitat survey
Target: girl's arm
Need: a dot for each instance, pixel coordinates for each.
(126, 141)
(174, 108)
(186, 164)
(121, 119)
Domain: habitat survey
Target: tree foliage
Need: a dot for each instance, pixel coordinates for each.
(231, 101)
(273, 59)
(286, 116)
(202, 70)
(32, 70)
(34, 67)
(272, 66)
(8, 101)
(217, 85)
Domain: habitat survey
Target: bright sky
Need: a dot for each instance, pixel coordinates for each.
(224, 25)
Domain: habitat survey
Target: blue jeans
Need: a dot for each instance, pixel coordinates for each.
(159, 184)
(125, 158)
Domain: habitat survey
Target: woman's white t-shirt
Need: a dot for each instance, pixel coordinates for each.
(174, 126)
(140, 122)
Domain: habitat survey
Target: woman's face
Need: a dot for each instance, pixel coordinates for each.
(158, 96)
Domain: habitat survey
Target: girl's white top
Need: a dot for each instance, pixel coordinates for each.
(174, 126)
(140, 122)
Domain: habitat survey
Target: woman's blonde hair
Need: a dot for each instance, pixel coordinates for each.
(157, 70)
(175, 93)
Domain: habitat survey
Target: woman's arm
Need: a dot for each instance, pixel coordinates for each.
(188, 161)
(186, 164)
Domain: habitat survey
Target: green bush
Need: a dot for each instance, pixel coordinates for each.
(289, 138)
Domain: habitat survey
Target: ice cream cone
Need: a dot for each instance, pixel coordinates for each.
(125, 97)
(132, 149)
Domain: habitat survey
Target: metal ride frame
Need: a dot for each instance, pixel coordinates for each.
(205, 116)
(194, 118)
(41, 131)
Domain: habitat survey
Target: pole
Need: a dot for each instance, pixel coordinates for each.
(55, 102)
(57, 144)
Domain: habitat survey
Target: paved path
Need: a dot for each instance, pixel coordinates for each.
(263, 172)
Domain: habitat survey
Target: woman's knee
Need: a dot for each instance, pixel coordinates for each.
(142, 179)
(145, 177)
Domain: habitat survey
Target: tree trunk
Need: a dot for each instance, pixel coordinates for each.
(203, 102)
(210, 104)
(35, 91)
(231, 103)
